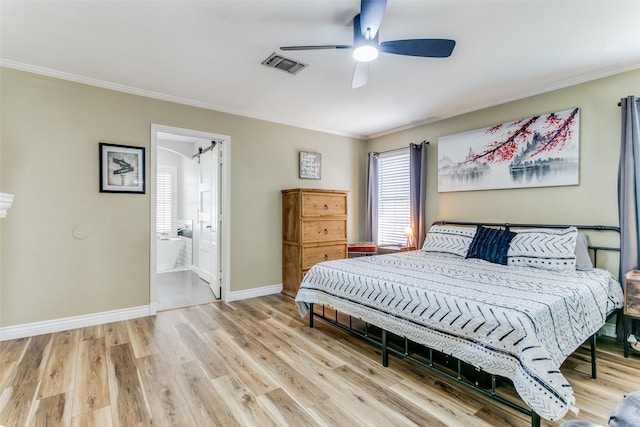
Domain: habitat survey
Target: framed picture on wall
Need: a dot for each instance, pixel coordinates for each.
(538, 151)
(121, 169)
(310, 164)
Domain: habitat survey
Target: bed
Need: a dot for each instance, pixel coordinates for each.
(513, 301)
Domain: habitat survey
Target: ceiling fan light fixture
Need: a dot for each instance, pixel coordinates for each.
(366, 45)
(365, 53)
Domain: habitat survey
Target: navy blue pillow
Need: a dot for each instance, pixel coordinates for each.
(491, 244)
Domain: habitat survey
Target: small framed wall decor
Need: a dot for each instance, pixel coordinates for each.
(121, 169)
(310, 165)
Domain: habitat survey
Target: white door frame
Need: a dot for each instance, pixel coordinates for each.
(225, 206)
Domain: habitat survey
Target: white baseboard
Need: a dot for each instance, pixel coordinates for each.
(253, 293)
(153, 310)
(64, 324)
(67, 323)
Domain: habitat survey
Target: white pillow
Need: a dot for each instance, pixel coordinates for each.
(548, 249)
(449, 239)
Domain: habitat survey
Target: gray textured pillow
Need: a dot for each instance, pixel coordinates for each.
(583, 259)
(549, 249)
(449, 239)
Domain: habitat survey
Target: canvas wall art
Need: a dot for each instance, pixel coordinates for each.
(538, 151)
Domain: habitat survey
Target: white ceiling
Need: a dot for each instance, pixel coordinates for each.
(209, 54)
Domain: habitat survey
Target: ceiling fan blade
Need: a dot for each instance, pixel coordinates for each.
(325, 46)
(371, 12)
(428, 48)
(360, 75)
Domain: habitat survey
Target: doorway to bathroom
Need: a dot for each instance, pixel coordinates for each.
(189, 223)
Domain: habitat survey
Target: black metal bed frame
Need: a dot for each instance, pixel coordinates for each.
(403, 351)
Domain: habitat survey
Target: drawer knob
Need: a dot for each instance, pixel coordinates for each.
(326, 231)
(326, 257)
(326, 207)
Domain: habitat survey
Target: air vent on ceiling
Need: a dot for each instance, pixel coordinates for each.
(285, 64)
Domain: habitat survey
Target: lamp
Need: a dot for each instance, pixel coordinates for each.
(408, 232)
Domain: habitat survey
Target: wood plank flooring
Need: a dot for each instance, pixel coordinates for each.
(256, 363)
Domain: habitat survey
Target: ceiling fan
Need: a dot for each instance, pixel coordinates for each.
(366, 46)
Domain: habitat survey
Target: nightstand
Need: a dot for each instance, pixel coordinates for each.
(631, 308)
(361, 249)
(391, 249)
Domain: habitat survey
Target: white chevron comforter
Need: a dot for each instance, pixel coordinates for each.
(517, 322)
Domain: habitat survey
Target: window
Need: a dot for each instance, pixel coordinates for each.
(166, 207)
(393, 196)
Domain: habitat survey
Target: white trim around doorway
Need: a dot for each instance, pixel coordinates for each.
(225, 191)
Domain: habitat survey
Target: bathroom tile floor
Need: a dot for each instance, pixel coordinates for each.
(180, 289)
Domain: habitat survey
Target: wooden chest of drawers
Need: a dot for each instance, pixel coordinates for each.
(314, 229)
(632, 294)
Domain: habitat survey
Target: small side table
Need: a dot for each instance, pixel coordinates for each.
(631, 308)
(391, 249)
(361, 249)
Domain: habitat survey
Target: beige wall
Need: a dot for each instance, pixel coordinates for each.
(593, 201)
(50, 130)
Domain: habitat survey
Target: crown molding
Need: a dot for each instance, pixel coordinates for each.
(156, 95)
(576, 80)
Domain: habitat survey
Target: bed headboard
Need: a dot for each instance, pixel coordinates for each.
(610, 252)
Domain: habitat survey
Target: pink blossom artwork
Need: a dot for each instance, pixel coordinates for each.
(539, 151)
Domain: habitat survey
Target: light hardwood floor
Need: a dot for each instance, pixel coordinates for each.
(255, 363)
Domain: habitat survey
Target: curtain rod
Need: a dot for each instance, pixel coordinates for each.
(620, 103)
(401, 148)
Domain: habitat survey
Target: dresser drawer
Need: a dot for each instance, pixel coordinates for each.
(323, 204)
(315, 254)
(324, 231)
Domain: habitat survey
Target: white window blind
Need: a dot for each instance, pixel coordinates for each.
(166, 200)
(393, 197)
